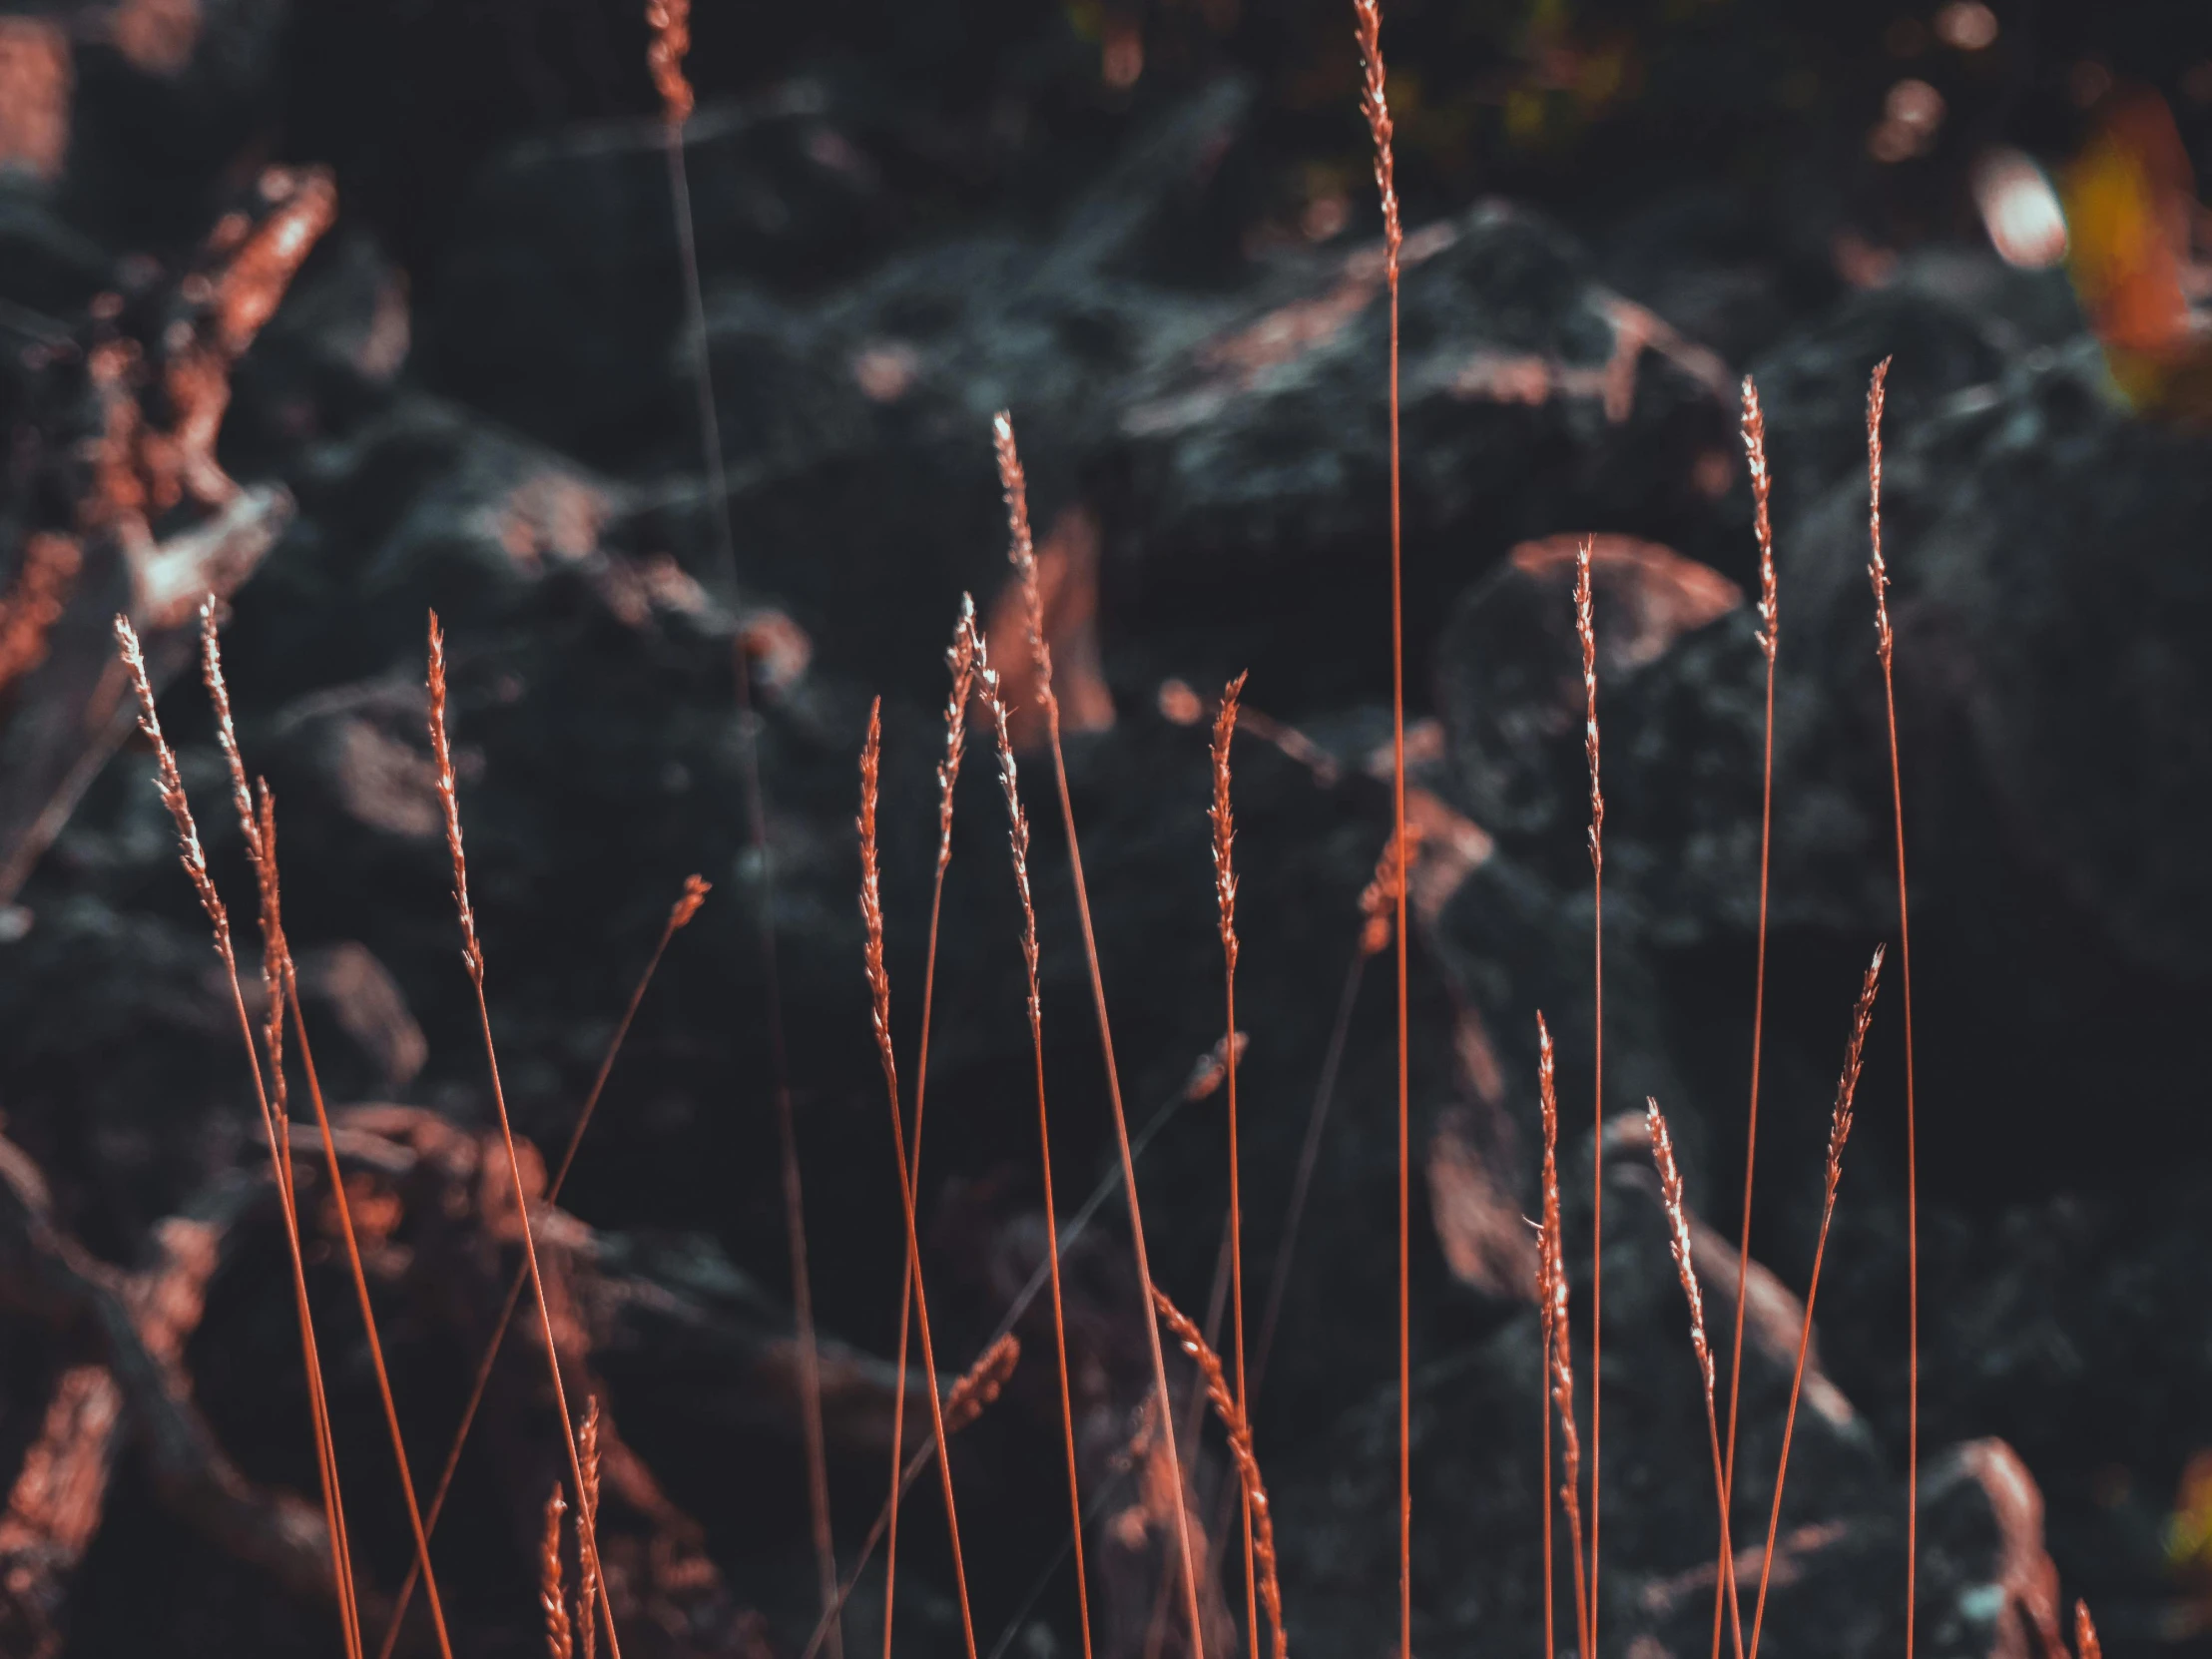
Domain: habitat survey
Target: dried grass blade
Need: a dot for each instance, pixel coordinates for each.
(1585, 629)
(961, 660)
(880, 988)
(1240, 1450)
(1839, 1132)
(1017, 823)
(1878, 575)
(1375, 104)
(171, 785)
(1560, 1325)
(678, 916)
(472, 959)
(1021, 554)
(1678, 1246)
(1769, 639)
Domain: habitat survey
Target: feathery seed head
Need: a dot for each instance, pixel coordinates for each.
(1754, 453)
(1375, 104)
(982, 1383)
(1876, 572)
(1585, 629)
(1224, 818)
(695, 889)
(961, 657)
(552, 1594)
(1239, 1429)
(1678, 1233)
(670, 21)
(441, 750)
(1021, 550)
(170, 784)
(1847, 1086)
(226, 733)
(871, 892)
(1017, 819)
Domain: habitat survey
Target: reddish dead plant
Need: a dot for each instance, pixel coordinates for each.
(1375, 104)
(1225, 894)
(1018, 821)
(977, 1389)
(880, 989)
(1839, 1131)
(587, 1517)
(1239, 1452)
(1021, 554)
(472, 959)
(1678, 1245)
(281, 981)
(1559, 1332)
(1585, 630)
(669, 22)
(1879, 575)
(552, 1592)
(259, 831)
(172, 786)
(680, 915)
(962, 659)
(1770, 638)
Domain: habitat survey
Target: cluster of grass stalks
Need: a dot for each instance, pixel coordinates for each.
(576, 1623)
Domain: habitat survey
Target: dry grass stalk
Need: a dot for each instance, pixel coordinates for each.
(1225, 893)
(680, 915)
(1017, 826)
(1585, 630)
(276, 945)
(472, 957)
(1379, 898)
(974, 1393)
(670, 21)
(257, 830)
(1678, 1245)
(1560, 1330)
(1762, 484)
(880, 989)
(981, 1383)
(1770, 639)
(171, 788)
(587, 1511)
(670, 24)
(960, 659)
(552, 1594)
(1240, 1450)
(1877, 574)
(1375, 104)
(1839, 1132)
(2086, 1645)
(1021, 553)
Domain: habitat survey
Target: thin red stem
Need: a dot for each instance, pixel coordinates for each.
(1543, 1387)
(1404, 1051)
(368, 1313)
(1788, 1424)
(1912, 1198)
(907, 1280)
(521, 1280)
(1127, 1178)
(1751, 1149)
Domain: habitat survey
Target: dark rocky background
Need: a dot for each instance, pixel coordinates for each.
(1147, 227)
